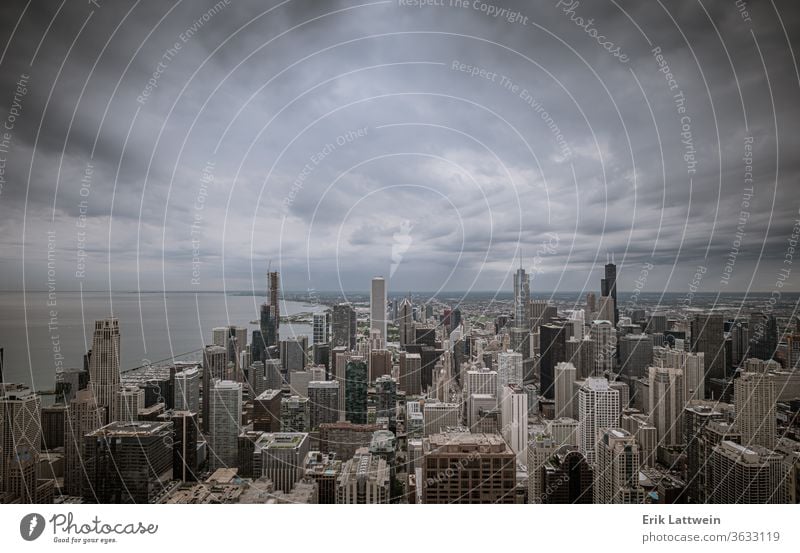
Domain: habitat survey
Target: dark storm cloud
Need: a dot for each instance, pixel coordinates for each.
(452, 170)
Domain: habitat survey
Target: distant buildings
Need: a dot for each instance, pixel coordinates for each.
(104, 366)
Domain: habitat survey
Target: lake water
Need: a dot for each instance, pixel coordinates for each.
(153, 327)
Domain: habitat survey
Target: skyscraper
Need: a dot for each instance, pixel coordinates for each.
(708, 337)
(364, 479)
(754, 400)
(324, 399)
(598, 408)
(377, 307)
(667, 398)
(321, 322)
(552, 344)
(616, 475)
(104, 366)
(608, 287)
(214, 367)
(482, 465)
(128, 462)
(273, 290)
(355, 391)
(344, 326)
(281, 456)
(83, 416)
(509, 370)
(565, 376)
(406, 323)
(602, 335)
(187, 390)
(20, 439)
(745, 474)
(226, 409)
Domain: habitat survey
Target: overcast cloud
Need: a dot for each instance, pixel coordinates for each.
(451, 176)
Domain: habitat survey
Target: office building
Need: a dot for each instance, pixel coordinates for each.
(323, 399)
(321, 324)
(754, 400)
(364, 479)
(552, 344)
(635, 354)
(226, 409)
(344, 327)
(293, 353)
(324, 469)
(20, 440)
(406, 323)
(267, 411)
(130, 399)
(608, 288)
(214, 368)
(355, 391)
(482, 469)
(565, 377)
(295, 414)
(104, 366)
(603, 339)
(377, 307)
(509, 370)
(439, 416)
(281, 457)
(187, 390)
(411, 373)
(707, 336)
(741, 473)
(127, 462)
(514, 419)
(598, 408)
(185, 458)
(616, 474)
(666, 402)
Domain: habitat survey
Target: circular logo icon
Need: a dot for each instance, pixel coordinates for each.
(31, 526)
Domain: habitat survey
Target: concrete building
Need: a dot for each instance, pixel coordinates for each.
(598, 408)
(187, 390)
(324, 402)
(616, 474)
(127, 462)
(514, 419)
(754, 400)
(104, 366)
(324, 469)
(20, 441)
(745, 474)
(411, 373)
(565, 377)
(467, 468)
(267, 411)
(130, 399)
(295, 414)
(226, 412)
(377, 307)
(83, 417)
(666, 402)
(438, 415)
(281, 457)
(364, 480)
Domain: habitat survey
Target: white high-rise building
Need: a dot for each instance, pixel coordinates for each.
(187, 390)
(565, 376)
(280, 456)
(130, 399)
(377, 306)
(754, 401)
(616, 474)
(598, 407)
(226, 414)
(540, 448)
(565, 431)
(666, 404)
(509, 370)
(514, 419)
(693, 365)
(104, 366)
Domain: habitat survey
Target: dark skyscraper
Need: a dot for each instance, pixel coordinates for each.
(608, 286)
(707, 336)
(355, 391)
(552, 344)
(344, 326)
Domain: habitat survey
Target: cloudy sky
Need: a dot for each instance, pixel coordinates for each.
(184, 146)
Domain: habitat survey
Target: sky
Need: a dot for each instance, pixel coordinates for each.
(192, 145)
